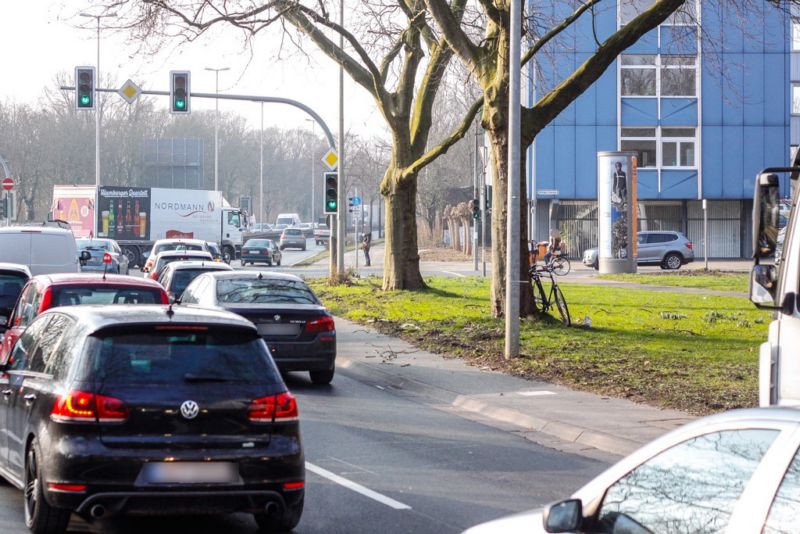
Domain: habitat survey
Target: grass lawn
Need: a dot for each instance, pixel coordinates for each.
(681, 350)
(716, 280)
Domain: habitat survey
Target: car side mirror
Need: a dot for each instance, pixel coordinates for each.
(766, 215)
(764, 286)
(564, 516)
(86, 255)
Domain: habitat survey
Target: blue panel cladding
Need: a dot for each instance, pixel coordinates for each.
(776, 153)
(733, 87)
(776, 97)
(564, 67)
(606, 139)
(647, 44)
(564, 165)
(545, 158)
(606, 95)
(712, 161)
(754, 161)
(711, 93)
(604, 24)
(733, 29)
(639, 111)
(753, 90)
(776, 30)
(678, 184)
(585, 162)
(732, 161)
(678, 112)
(647, 184)
(751, 24)
(678, 40)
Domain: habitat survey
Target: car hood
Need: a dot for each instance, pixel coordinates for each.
(529, 522)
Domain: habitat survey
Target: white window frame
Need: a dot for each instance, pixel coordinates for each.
(658, 65)
(795, 35)
(653, 67)
(654, 138)
(660, 139)
(795, 107)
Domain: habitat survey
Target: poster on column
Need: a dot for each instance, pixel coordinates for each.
(616, 174)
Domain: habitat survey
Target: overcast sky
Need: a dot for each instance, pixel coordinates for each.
(40, 38)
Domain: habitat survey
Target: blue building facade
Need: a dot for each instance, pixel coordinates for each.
(705, 100)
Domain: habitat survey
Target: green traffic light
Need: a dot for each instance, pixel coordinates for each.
(180, 104)
(332, 205)
(85, 100)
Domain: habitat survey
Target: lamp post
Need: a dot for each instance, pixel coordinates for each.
(216, 125)
(313, 179)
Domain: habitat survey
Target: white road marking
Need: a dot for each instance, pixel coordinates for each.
(358, 488)
(455, 274)
(535, 393)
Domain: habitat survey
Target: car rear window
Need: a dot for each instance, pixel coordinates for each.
(166, 260)
(183, 277)
(177, 246)
(264, 291)
(88, 244)
(293, 231)
(173, 354)
(10, 288)
(263, 243)
(107, 294)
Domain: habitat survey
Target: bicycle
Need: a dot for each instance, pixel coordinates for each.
(560, 264)
(543, 301)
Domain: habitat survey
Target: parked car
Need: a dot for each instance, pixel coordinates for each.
(164, 245)
(154, 411)
(52, 290)
(179, 274)
(666, 248)
(733, 472)
(44, 249)
(169, 256)
(97, 249)
(261, 251)
(13, 278)
(293, 238)
(298, 330)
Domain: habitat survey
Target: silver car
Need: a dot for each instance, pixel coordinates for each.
(733, 472)
(666, 248)
(293, 238)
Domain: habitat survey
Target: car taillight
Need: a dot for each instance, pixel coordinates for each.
(280, 407)
(47, 299)
(325, 324)
(689, 245)
(82, 407)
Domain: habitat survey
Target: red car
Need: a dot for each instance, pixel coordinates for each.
(53, 290)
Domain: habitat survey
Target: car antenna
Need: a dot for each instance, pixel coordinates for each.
(260, 276)
(170, 311)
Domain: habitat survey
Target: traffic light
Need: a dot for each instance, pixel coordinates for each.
(179, 91)
(3, 208)
(84, 87)
(331, 193)
(476, 209)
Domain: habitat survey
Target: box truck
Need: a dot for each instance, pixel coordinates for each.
(138, 216)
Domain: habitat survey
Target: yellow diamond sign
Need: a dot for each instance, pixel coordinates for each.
(129, 91)
(331, 159)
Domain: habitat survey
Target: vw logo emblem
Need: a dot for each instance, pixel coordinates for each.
(189, 409)
(277, 318)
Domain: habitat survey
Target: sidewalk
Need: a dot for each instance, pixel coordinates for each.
(568, 419)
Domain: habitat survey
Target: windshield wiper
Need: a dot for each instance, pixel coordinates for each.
(188, 377)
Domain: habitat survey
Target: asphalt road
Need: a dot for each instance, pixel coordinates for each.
(382, 462)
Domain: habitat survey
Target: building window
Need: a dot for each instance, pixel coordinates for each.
(630, 9)
(678, 75)
(643, 142)
(686, 15)
(677, 147)
(795, 35)
(795, 99)
(638, 73)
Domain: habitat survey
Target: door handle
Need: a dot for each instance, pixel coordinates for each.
(29, 398)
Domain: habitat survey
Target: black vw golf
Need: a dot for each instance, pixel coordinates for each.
(148, 410)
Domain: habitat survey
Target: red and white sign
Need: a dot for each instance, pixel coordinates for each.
(8, 184)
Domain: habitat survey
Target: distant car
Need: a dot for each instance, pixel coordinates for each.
(53, 290)
(98, 248)
(669, 249)
(13, 278)
(177, 275)
(307, 228)
(163, 245)
(169, 256)
(144, 410)
(214, 250)
(293, 238)
(322, 234)
(261, 251)
(733, 472)
(299, 331)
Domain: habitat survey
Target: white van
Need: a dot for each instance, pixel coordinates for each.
(45, 250)
(289, 219)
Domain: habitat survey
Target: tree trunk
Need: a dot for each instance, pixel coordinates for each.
(401, 255)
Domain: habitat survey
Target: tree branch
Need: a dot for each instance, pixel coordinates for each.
(492, 12)
(556, 30)
(450, 25)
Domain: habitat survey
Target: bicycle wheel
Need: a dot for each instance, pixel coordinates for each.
(561, 304)
(561, 266)
(539, 300)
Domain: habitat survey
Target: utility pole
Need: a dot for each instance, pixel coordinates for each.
(475, 195)
(341, 226)
(261, 216)
(216, 125)
(484, 200)
(512, 235)
(313, 177)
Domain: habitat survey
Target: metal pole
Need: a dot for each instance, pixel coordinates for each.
(261, 216)
(705, 232)
(341, 226)
(216, 123)
(475, 196)
(483, 216)
(355, 225)
(512, 235)
(313, 177)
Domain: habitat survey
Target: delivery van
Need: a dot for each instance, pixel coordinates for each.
(45, 250)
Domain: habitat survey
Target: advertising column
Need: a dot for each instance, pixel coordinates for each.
(616, 214)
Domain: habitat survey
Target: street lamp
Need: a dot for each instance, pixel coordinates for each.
(216, 126)
(313, 178)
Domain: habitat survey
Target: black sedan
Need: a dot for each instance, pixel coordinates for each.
(261, 251)
(298, 330)
(149, 410)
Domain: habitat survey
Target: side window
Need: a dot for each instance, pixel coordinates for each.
(48, 339)
(60, 359)
(783, 513)
(191, 293)
(24, 347)
(692, 487)
(641, 239)
(25, 297)
(233, 218)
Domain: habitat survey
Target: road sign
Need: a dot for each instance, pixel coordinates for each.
(331, 159)
(129, 91)
(356, 201)
(8, 184)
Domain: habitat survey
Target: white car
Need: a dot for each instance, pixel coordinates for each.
(163, 245)
(733, 472)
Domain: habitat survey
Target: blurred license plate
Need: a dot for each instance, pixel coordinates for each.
(268, 329)
(190, 472)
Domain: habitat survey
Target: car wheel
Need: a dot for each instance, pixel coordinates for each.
(322, 378)
(596, 265)
(673, 261)
(40, 517)
(278, 263)
(304, 249)
(282, 523)
(269, 264)
(227, 255)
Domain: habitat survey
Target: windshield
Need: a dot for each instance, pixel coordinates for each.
(107, 294)
(264, 291)
(179, 355)
(166, 260)
(176, 246)
(93, 244)
(183, 277)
